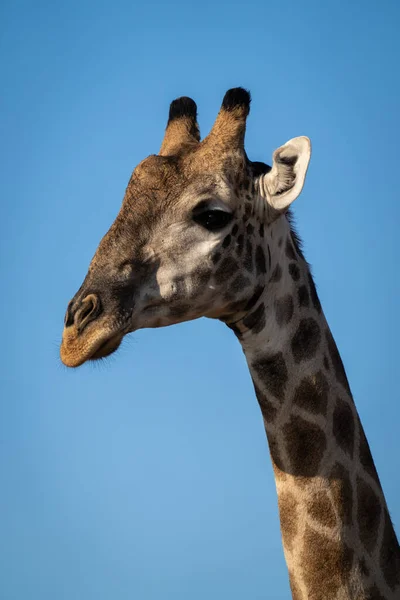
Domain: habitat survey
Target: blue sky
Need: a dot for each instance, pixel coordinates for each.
(149, 477)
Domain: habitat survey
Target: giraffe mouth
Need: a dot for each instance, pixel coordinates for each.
(77, 349)
(107, 347)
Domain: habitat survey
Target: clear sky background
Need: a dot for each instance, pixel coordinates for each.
(149, 477)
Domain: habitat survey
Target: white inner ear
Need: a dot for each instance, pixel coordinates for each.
(285, 181)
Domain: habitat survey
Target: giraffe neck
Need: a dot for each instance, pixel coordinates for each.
(338, 538)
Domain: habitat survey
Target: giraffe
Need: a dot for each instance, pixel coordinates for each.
(204, 231)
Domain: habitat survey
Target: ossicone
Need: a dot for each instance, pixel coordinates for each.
(182, 128)
(230, 125)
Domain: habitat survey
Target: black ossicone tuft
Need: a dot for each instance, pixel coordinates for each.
(237, 97)
(182, 107)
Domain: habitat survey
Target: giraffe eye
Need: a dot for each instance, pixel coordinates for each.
(212, 219)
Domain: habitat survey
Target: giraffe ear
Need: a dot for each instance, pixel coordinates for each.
(285, 180)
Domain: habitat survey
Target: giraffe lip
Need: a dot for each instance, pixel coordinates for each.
(107, 347)
(77, 349)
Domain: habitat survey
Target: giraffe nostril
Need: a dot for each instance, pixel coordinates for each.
(88, 311)
(69, 315)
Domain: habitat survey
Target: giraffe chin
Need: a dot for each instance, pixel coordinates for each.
(75, 350)
(107, 348)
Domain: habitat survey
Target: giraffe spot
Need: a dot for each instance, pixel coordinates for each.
(200, 278)
(284, 310)
(314, 295)
(306, 444)
(337, 361)
(248, 209)
(249, 229)
(253, 300)
(245, 218)
(343, 426)
(290, 253)
(256, 320)
(268, 410)
(239, 283)
(294, 271)
(306, 340)
(368, 514)
(288, 518)
(280, 242)
(328, 556)
(312, 394)
(235, 229)
(320, 508)
(261, 230)
(326, 363)
(248, 197)
(216, 257)
(240, 244)
(226, 241)
(260, 261)
(390, 554)
(303, 296)
(342, 493)
(277, 274)
(365, 455)
(273, 372)
(248, 259)
(226, 269)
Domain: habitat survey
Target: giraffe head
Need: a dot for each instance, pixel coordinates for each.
(189, 240)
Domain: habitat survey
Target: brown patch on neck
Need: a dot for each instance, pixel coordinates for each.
(320, 508)
(289, 518)
(306, 445)
(326, 565)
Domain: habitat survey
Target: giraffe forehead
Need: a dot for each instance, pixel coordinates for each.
(163, 183)
(214, 189)
(156, 174)
(198, 165)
